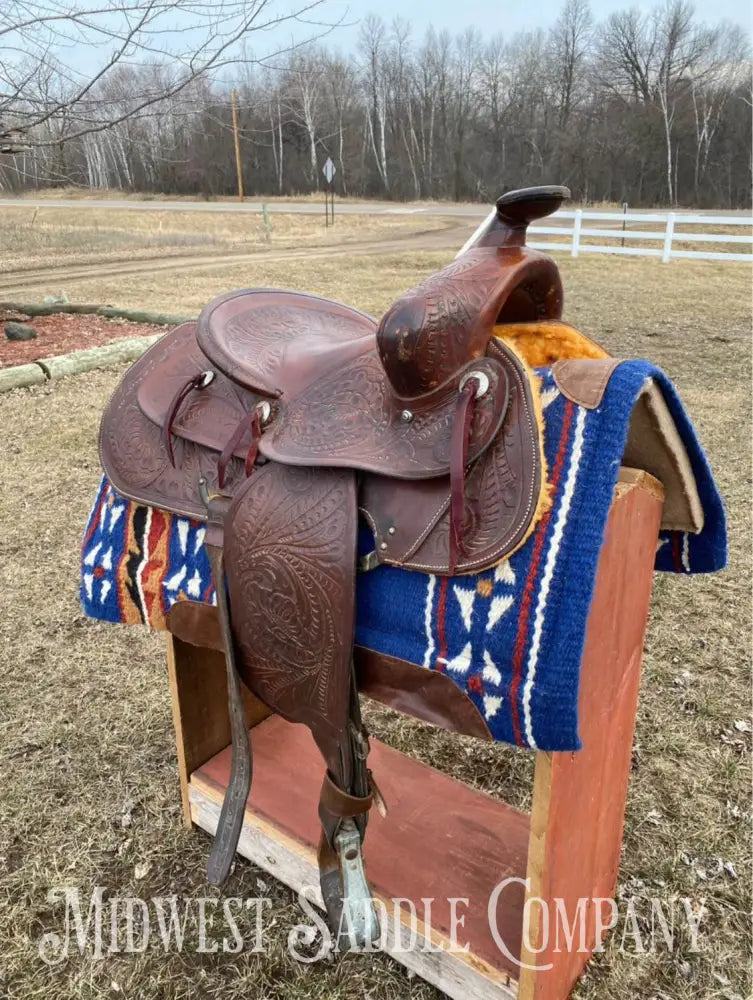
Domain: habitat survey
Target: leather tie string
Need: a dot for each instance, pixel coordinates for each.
(195, 382)
(461, 434)
(252, 422)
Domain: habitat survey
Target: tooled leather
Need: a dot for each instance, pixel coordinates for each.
(208, 416)
(291, 577)
(350, 418)
(502, 493)
(248, 334)
(433, 329)
(132, 451)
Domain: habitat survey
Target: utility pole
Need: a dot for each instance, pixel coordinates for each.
(238, 167)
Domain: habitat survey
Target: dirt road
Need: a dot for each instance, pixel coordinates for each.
(12, 282)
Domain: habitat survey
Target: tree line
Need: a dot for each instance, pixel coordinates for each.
(648, 109)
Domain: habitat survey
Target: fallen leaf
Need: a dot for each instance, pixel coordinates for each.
(141, 870)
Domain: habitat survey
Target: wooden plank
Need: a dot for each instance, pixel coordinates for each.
(459, 976)
(579, 799)
(441, 840)
(198, 695)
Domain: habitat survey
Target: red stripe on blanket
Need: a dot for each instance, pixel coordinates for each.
(154, 597)
(521, 638)
(94, 521)
(441, 661)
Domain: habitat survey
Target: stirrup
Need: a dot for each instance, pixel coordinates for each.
(358, 913)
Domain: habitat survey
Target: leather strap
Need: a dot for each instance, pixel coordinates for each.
(461, 432)
(339, 803)
(195, 382)
(252, 422)
(234, 804)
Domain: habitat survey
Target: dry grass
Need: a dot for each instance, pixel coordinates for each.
(34, 237)
(113, 194)
(84, 713)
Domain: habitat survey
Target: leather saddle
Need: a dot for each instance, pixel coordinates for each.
(277, 419)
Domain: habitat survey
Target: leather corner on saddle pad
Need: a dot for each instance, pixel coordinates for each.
(584, 380)
(654, 444)
(426, 694)
(194, 623)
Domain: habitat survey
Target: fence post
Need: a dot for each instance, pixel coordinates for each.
(267, 224)
(576, 232)
(668, 237)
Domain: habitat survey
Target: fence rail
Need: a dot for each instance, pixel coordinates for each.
(672, 239)
(668, 237)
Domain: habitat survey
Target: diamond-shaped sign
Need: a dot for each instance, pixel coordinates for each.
(329, 170)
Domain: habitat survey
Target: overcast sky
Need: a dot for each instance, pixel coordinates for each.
(492, 16)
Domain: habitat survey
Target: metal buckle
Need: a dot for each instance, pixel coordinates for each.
(264, 409)
(359, 913)
(206, 496)
(368, 562)
(360, 739)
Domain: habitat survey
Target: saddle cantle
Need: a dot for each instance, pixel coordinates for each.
(277, 419)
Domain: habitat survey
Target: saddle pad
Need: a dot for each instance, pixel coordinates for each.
(517, 659)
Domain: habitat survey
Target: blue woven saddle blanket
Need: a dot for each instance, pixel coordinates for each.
(518, 660)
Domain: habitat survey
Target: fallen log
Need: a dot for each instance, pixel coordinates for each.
(21, 377)
(127, 349)
(107, 312)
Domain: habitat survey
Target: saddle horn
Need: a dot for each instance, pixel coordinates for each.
(516, 210)
(433, 330)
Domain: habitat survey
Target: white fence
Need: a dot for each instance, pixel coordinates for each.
(673, 237)
(673, 232)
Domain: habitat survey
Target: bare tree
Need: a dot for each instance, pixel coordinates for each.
(372, 44)
(342, 85)
(55, 56)
(569, 41)
(304, 78)
(645, 107)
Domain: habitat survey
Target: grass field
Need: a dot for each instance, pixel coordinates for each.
(49, 236)
(87, 762)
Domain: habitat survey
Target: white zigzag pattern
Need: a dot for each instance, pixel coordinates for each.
(498, 607)
(465, 600)
(548, 396)
(546, 579)
(199, 540)
(504, 573)
(430, 587)
(491, 672)
(183, 527)
(176, 579)
(492, 704)
(459, 664)
(115, 514)
(92, 555)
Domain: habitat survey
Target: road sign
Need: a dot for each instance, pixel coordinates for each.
(329, 170)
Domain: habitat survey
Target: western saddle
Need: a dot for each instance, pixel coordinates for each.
(276, 419)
